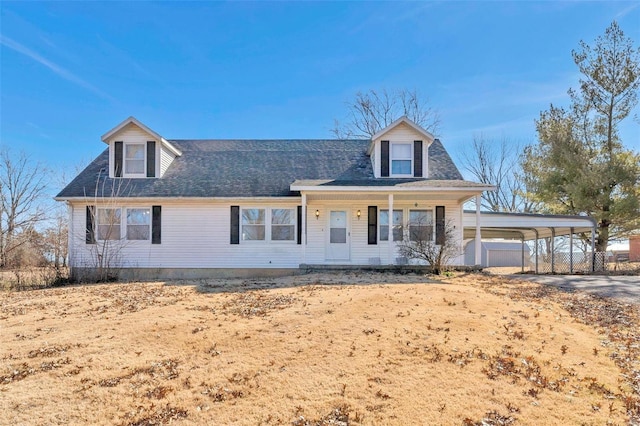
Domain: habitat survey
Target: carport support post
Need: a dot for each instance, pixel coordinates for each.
(593, 249)
(536, 231)
(390, 239)
(553, 250)
(522, 252)
(571, 251)
(478, 241)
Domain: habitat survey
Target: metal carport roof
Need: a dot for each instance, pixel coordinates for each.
(527, 226)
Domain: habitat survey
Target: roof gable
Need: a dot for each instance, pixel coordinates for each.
(404, 120)
(134, 121)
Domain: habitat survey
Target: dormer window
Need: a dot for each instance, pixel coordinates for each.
(401, 159)
(134, 159)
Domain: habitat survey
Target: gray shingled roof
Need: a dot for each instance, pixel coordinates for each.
(252, 168)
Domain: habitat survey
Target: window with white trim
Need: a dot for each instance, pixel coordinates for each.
(283, 225)
(401, 159)
(134, 154)
(396, 225)
(253, 224)
(421, 225)
(108, 224)
(138, 224)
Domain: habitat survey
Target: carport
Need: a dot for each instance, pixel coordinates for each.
(529, 227)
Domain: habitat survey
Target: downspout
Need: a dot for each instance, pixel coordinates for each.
(522, 251)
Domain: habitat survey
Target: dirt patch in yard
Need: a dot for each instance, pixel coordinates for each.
(318, 349)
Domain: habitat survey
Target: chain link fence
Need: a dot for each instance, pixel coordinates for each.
(567, 263)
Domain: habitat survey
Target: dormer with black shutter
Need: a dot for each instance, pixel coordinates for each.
(136, 151)
(401, 150)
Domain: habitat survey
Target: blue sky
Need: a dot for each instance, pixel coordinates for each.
(70, 71)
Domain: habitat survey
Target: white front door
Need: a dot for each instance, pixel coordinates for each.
(338, 235)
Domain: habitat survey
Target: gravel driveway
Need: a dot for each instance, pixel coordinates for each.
(623, 287)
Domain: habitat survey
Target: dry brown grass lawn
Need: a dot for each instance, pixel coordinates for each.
(317, 349)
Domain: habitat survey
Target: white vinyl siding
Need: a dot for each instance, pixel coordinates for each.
(195, 234)
(166, 158)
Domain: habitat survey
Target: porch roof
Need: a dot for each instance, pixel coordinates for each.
(525, 225)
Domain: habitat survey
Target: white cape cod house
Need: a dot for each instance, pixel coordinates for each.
(149, 207)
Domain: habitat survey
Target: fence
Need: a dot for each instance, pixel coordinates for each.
(565, 263)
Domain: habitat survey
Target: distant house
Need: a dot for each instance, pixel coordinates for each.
(150, 207)
(498, 253)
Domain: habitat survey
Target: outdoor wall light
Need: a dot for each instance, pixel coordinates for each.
(317, 214)
(358, 214)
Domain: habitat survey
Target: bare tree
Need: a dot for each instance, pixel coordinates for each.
(498, 164)
(56, 243)
(371, 111)
(104, 237)
(22, 187)
(418, 243)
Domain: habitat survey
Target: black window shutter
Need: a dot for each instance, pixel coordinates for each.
(373, 224)
(151, 159)
(440, 225)
(90, 236)
(384, 158)
(417, 158)
(156, 224)
(117, 159)
(235, 224)
(299, 224)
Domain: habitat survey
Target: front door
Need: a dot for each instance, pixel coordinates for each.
(338, 235)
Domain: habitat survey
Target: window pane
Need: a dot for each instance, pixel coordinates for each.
(384, 225)
(282, 216)
(134, 166)
(282, 232)
(138, 216)
(138, 221)
(109, 216)
(401, 167)
(253, 232)
(137, 232)
(134, 152)
(401, 151)
(397, 225)
(421, 225)
(338, 235)
(253, 216)
(109, 232)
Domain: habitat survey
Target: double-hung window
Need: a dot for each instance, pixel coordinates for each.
(253, 224)
(134, 158)
(421, 225)
(401, 154)
(396, 225)
(138, 224)
(283, 225)
(108, 224)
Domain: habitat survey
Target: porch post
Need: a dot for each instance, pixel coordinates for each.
(303, 226)
(478, 242)
(553, 250)
(571, 251)
(390, 239)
